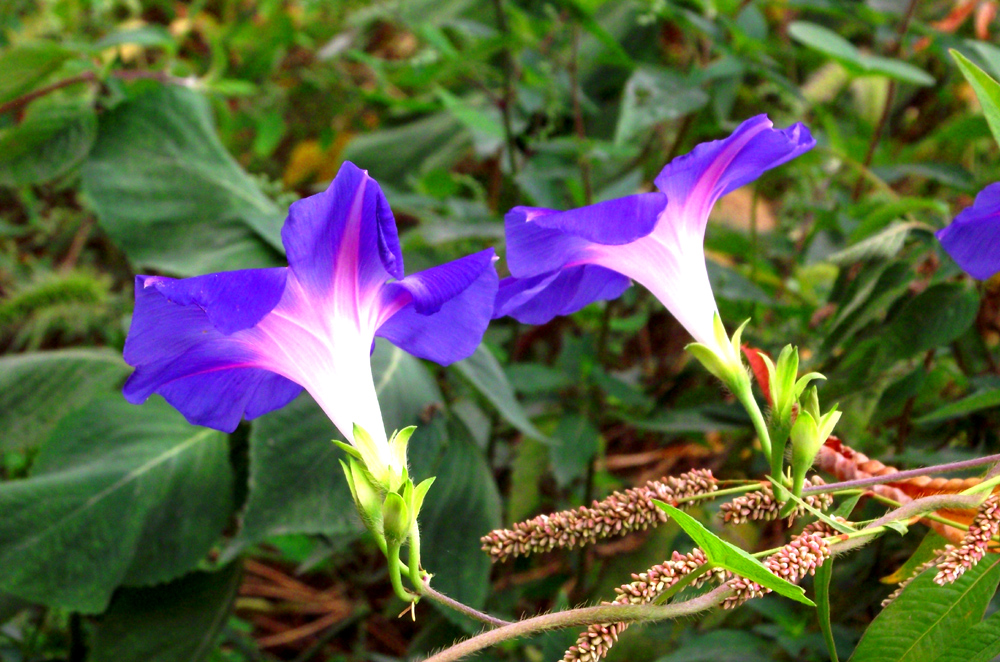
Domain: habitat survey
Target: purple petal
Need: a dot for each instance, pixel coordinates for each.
(347, 233)
(614, 222)
(233, 300)
(711, 170)
(533, 250)
(431, 288)
(210, 377)
(454, 331)
(537, 300)
(973, 238)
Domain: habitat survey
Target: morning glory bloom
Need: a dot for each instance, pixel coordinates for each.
(242, 343)
(561, 261)
(973, 238)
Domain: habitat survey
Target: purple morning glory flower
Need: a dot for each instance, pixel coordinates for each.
(561, 261)
(973, 238)
(243, 343)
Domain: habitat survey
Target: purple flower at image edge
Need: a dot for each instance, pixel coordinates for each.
(562, 261)
(242, 343)
(973, 238)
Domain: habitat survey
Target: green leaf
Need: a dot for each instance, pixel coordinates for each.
(973, 403)
(935, 317)
(175, 622)
(120, 494)
(652, 96)
(577, 442)
(822, 585)
(987, 91)
(406, 389)
(296, 483)
(885, 244)
(146, 35)
(927, 620)
(48, 143)
(170, 196)
(38, 389)
(980, 643)
(485, 373)
(721, 646)
(463, 505)
(25, 66)
(724, 555)
(830, 43)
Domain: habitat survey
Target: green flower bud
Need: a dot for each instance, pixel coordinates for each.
(395, 519)
(808, 434)
(367, 497)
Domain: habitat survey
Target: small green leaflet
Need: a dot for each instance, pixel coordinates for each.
(724, 555)
(987, 91)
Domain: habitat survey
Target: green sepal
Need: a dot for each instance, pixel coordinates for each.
(350, 450)
(419, 492)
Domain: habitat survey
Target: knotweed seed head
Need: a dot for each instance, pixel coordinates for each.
(798, 558)
(761, 505)
(965, 556)
(618, 514)
(595, 642)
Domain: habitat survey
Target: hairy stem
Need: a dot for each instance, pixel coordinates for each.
(432, 594)
(903, 475)
(582, 618)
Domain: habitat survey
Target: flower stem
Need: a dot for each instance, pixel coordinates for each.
(395, 576)
(745, 396)
(441, 598)
(752, 486)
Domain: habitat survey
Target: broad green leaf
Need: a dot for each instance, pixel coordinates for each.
(987, 91)
(822, 585)
(830, 43)
(394, 155)
(168, 193)
(38, 389)
(535, 378)
(475, 119)
(296, 483)
(725, 555)
(119, 494)
(653, 96)
(708, 418)
(406, 389)
(935, 317)
(927, 620)
(576, 442)
(485, 373)
(989, 53)
(26, 65)
(527, 473)
(980, 643)
(175, 622)
(462, 505)
(965, 406)
(47, 144)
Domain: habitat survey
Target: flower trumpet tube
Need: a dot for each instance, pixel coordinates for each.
(561, 261)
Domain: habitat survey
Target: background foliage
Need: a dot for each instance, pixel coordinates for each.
(158, 137)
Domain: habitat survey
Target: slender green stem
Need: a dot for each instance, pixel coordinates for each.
(414, 557)
(395, 576)
(740, 489)
(745, 396)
